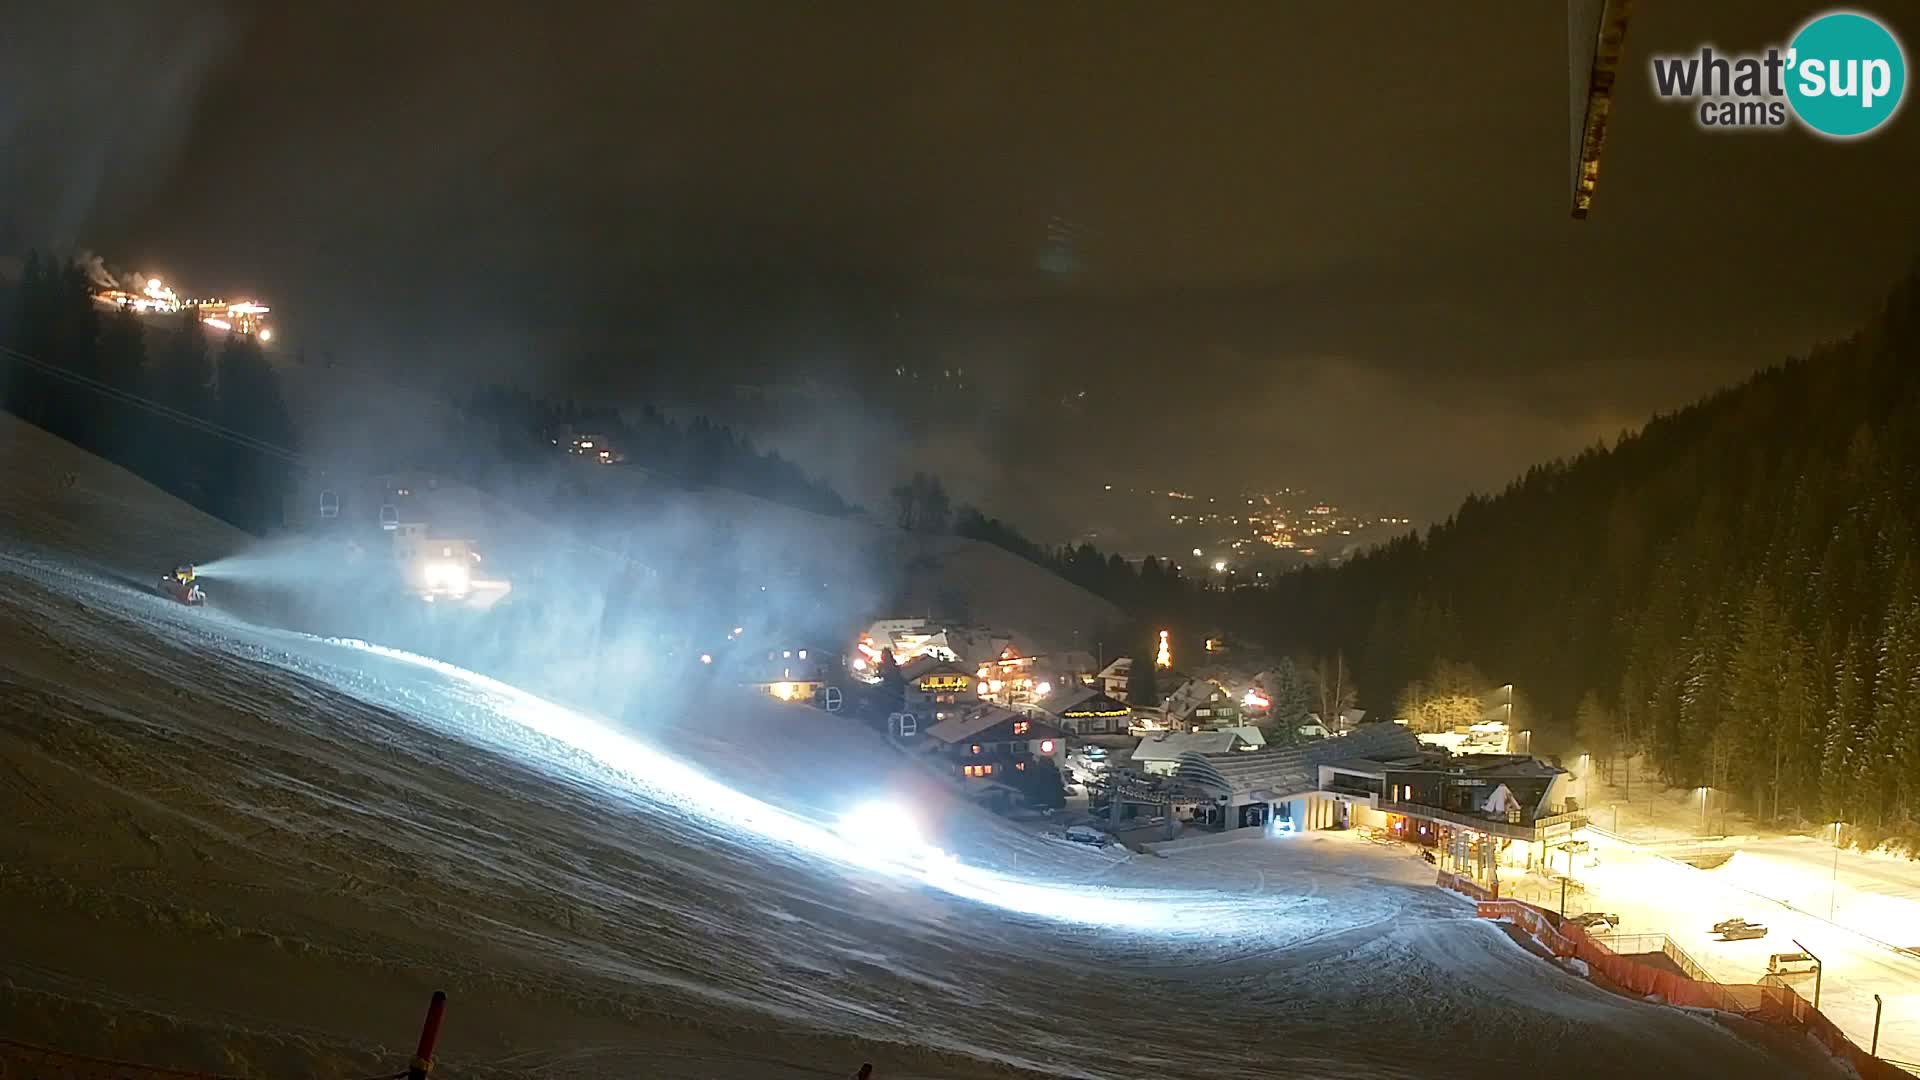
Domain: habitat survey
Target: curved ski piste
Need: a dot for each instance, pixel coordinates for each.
(254, 850)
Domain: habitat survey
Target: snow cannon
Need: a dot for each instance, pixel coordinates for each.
(183, 586)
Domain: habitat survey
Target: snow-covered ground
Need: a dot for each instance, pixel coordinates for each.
(1859, 911)
(252, 850)
(1656, 894)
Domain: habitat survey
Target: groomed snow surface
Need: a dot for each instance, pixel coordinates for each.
(255, 851)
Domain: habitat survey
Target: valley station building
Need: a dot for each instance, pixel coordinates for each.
(1470, 810)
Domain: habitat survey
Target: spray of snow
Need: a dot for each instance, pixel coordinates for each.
(870, 837)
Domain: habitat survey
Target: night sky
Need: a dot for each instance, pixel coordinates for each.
(1272, 243)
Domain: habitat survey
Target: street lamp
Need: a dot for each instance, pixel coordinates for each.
(1833, 882)
(1819, 970)
(1508, 705)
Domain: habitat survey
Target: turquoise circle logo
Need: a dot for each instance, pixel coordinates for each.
(1846, 74)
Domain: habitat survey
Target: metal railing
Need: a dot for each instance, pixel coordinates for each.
(1523, 829)
(1498, 826)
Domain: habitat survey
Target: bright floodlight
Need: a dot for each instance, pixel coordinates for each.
(882, 828)
(447, 575)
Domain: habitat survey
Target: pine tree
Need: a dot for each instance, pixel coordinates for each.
(1289, 697)
(1595, 730)
(1143, 680)
(1894, 740)
(1840, 764)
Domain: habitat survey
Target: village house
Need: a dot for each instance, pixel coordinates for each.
(1112, 679)
(1199, 705)
(1476, 813)
(1160, 754)
(1086, 711)
(937, 688)
(802, 674)
(995, 748)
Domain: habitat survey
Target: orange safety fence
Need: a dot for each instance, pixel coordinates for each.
(1466, 887)
(1771, 1000)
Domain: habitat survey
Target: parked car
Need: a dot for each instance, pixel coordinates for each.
(1725, 925)
(1599, 922)
(1743, 932)
(1791, 963)
(1086, 834)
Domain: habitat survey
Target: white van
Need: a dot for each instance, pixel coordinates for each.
(1791, 963)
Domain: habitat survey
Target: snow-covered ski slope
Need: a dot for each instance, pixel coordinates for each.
(255, 851)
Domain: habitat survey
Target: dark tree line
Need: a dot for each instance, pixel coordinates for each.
(108, 368)
(1734, 591)
(699, 453)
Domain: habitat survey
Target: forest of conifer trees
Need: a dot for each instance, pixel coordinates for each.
(1730, 591)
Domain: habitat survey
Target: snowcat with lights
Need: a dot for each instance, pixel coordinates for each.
(182, 586)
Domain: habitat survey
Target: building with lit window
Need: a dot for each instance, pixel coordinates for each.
(988, 742)
(938, 688)
(1085, 710)
(1476, 813)
(1112, 679)
(1199, 705)
(910, 639)
(799, 673)
(1283, 788)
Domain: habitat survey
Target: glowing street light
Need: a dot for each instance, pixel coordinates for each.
(1833, 882)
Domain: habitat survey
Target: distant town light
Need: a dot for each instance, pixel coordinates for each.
(706, 658)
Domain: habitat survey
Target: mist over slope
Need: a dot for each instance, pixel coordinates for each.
(865, 569)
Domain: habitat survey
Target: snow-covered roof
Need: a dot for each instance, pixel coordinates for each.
(1062, 700)
(924, 665)
(1296, 769)
(984, 723)
(1172, 745)
(1078, 702)
(1254, 736)
(1191, 695)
